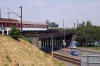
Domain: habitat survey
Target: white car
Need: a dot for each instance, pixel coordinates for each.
(73, 47)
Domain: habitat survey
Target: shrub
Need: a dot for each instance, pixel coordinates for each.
(29, 40)
(6, 65)
(14, 33)
(8, 58)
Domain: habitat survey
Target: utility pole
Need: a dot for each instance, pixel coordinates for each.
(18, 16)
(64, 36)
(77, 22)
(52, 45)
(21, 19)
(63, 25)
(0, 13)
(74, 26)
(8, 14)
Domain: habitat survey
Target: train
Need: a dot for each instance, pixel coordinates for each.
(28, 27)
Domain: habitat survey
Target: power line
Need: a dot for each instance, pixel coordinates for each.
(13, 12)
(57, 15)
(47, 7)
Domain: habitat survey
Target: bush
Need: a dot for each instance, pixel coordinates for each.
(6, 65)
(8, 58)
(29, 40)
(14, 33)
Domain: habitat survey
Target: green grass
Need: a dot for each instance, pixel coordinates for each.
(46, 55)
(6, 65)
(9, 59)
(94, 48)
(58, 63)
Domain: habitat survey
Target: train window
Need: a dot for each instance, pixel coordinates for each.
(45, 26)
(36, 26)
(28, 25)
(25, 25)
(10, 24)
(14, 24)
(0, 24)
(3, 24)
(32, 26)
(7, 24)
(41, 26)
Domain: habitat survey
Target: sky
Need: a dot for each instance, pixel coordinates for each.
(53, 10)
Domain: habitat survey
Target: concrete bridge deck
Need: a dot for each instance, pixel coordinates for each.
(56, 40)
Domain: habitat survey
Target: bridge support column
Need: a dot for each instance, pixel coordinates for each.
(45, 45)
(58, 43)
(73, 38)
(50, 43)
(42, 43)
(7, 32)
(61, 42)
(2, 32)
(47, 42)
(55, 42)
(37, 42)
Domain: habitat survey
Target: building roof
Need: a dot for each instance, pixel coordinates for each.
(31, 22)
(18, 21)
(9, 20)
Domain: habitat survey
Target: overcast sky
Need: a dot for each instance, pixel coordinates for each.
(53, 10)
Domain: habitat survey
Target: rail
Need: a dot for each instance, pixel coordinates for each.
(67, 59)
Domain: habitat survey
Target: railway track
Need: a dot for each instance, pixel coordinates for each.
(67, 59)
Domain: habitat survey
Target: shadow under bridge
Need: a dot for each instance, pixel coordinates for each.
(55, 41)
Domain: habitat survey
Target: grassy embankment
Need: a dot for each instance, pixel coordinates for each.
(22, 53)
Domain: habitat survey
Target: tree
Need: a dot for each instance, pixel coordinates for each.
(87, 33)
(14, 33)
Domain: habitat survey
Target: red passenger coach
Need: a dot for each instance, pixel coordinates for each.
(6, 24)
(34, 26)
(27, 26)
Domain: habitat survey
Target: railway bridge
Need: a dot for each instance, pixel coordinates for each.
(54, 40)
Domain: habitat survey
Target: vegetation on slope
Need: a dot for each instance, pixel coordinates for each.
(22, 53)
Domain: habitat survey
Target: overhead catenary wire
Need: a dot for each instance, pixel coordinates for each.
(59, 14)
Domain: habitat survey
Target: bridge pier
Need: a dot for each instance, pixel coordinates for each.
(44, 42)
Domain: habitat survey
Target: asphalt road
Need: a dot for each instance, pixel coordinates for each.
(79, 50)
